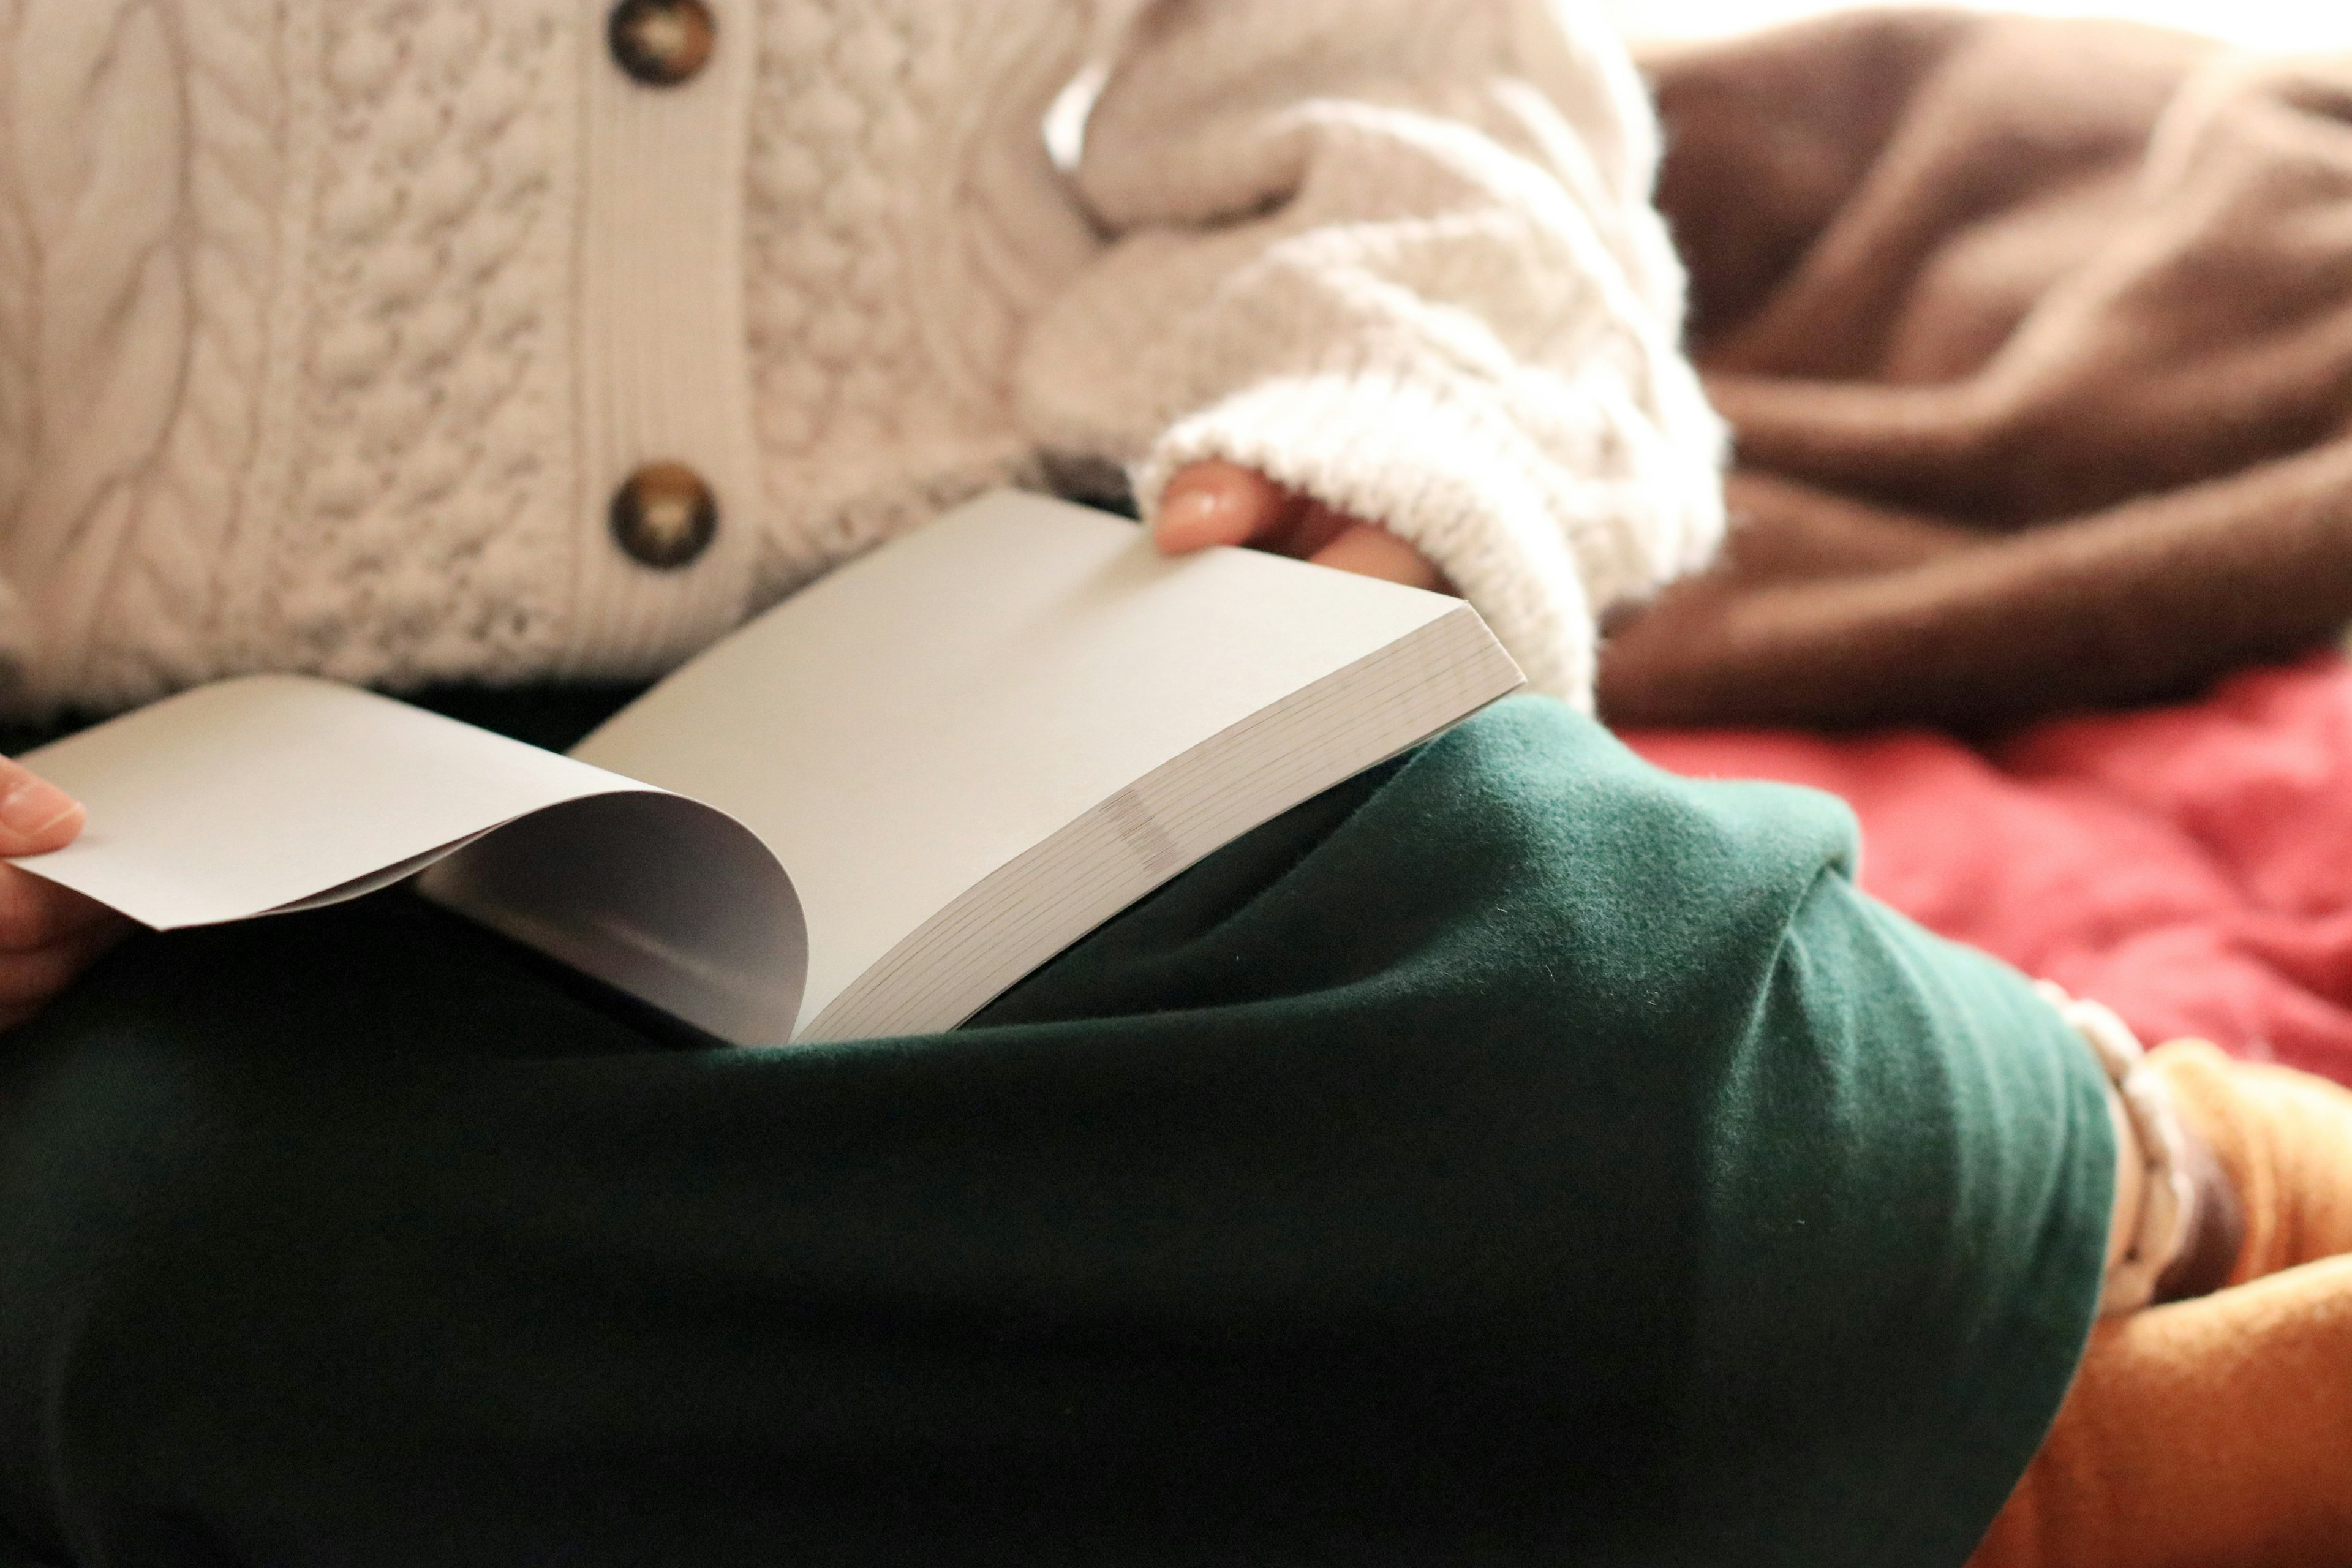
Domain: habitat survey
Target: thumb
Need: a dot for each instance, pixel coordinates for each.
(1371, 551)
(35, 815)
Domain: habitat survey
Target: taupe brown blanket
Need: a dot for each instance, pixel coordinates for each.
(2037, 340)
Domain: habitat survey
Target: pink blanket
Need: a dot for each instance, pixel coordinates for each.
(2190, 866)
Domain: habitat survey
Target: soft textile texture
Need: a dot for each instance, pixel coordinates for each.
(1496, 1160)
(2036, 338)
(329, 328)
(2284, 1140)
(2214, 1433)
(2156, 1214)
(2190, 866)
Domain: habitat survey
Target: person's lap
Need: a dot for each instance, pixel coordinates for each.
(1468, 1164)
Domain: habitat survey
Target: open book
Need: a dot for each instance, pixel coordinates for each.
(868, 812)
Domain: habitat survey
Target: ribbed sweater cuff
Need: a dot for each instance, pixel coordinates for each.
(1439, 466)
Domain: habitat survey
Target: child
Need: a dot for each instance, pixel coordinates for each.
(1513, 1154)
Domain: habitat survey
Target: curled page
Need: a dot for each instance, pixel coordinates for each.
(274, 794)
(919, 734)
(684, 908)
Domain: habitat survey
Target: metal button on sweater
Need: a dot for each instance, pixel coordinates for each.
(664, 516)
(662, 43)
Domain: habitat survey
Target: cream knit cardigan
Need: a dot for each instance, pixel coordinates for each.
(328, 327)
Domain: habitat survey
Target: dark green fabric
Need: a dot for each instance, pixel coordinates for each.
(1514, 1156)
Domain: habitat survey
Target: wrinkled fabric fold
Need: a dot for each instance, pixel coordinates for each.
(2036, 339)
(1492, 1159)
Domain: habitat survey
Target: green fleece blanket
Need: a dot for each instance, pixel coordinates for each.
(1515, 1155)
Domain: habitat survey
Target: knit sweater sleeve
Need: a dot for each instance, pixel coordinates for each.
(1400, 256)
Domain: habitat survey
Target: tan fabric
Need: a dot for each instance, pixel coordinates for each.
(2217, 1433)
(2286, 1139)
(2036, 337)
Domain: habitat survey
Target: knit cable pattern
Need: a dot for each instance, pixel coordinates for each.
(140, 159)
(293, 338)
(430, 472)
(881, 317)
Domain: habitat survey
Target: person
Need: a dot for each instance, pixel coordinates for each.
(432, 341)
(1512, 1154)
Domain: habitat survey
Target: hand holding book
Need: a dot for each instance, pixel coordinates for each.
(1223, 503)
(865, 813)
(48, 933)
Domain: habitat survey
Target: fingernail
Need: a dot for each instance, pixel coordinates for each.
(1189, 520)
(1192, 506)
(31, 807)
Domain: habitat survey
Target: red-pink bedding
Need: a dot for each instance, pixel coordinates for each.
(2189, 865)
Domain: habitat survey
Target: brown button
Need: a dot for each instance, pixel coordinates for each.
(664, 516)
(661, 43)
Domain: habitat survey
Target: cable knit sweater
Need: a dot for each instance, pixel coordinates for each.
(329, 327)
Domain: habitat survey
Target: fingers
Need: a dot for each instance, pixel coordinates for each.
(48, 934)
(36, 914)
(1371, 552)
(29, 981)
(1217, 503)
(35, 815)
